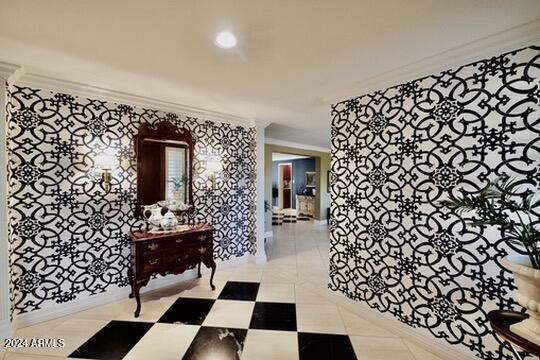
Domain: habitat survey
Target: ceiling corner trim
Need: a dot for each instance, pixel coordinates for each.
(292, 144)
(10, 72)
(85, 90)
(520, 36)
(260, 123)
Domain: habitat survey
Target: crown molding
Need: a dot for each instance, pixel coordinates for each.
(110, 95)
(261, 123)
(512, 39)
(272, 141)
(10, 72)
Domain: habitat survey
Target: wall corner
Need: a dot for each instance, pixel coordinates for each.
(260, 256)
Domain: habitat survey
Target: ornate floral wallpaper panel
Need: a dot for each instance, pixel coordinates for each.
(395, 154)
(68, 236)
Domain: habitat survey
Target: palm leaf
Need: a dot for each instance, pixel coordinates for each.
(502, 203)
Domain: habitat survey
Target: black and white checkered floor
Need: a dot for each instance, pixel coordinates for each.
(241, 319)
(234, 326)
(280, 310)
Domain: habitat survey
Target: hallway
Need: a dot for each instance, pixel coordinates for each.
(301, 248)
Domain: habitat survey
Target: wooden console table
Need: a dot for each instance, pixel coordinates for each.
(169, 253)
(501, 320)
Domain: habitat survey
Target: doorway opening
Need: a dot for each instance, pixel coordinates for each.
(293, 188)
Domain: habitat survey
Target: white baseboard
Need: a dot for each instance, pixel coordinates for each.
(6, 329)
(114, 294)
(320, 222)
(261, 259)
(268, 234)
(419, 336)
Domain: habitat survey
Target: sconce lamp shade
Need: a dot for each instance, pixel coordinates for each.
(213, 166)
(213, 169)
(106, 160)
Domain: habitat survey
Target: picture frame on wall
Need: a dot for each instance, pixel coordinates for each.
(311, 180)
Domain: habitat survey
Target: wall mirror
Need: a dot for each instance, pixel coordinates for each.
(164, 164)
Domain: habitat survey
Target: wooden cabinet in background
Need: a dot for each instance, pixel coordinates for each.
(305, 205)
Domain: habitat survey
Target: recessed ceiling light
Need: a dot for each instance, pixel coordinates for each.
(226, 40)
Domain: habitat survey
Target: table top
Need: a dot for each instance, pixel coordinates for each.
(142, 235)
(501, 320)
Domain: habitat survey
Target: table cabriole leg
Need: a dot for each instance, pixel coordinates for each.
(131, 281)
(212, 275)
(138, 299)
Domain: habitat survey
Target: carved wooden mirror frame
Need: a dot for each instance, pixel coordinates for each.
(162, 131)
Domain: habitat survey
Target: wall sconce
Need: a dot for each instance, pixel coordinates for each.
(213, 167)
(106, 162)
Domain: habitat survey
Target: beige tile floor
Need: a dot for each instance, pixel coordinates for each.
(299, 254)
(298, 258)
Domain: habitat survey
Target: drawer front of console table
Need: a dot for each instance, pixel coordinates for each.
(153, 246)
(150, 264)
(194, 253)
(171, 253)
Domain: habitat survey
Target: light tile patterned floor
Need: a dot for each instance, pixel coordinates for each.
(256, 312)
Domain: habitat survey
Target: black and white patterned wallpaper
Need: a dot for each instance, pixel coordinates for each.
(395, 154)
(68, 236)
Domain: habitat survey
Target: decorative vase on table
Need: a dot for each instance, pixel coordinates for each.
(528, 295)
(169, 221)
(155, 218)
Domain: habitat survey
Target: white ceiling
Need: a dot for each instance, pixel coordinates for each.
(291, 54)
(281, 156)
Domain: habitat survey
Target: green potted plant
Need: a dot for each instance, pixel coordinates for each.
(502, 203)
(177, 185)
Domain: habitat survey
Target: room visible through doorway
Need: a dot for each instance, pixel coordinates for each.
(293, 188)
